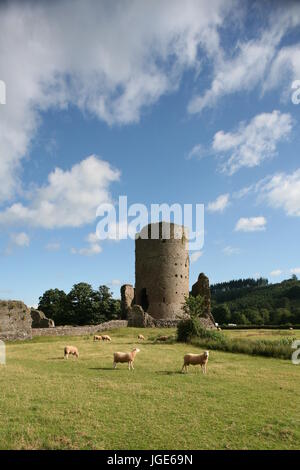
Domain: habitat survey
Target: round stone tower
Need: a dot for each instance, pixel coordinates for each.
(162, 269)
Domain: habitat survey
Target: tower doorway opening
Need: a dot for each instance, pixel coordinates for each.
(144, 299)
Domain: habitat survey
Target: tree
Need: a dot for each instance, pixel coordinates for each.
(194, 306)
(254, 316)
(265, 315)
(282, 316)
(54, 304)
(240, 318)
(222, 314)
(106, 307)
(81, 298)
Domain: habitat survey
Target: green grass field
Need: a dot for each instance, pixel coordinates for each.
(262, 334)
(243, 402)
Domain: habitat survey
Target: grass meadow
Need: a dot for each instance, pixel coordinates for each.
(244, 402)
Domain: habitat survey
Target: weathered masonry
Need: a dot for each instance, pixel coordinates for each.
(162, 269)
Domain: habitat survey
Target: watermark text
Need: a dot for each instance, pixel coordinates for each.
(296, 354)
(2, 92)
(2, 353)
(128, 221)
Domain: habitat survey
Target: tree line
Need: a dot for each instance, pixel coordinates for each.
(238, 284)
(81, 306)
(273, 304)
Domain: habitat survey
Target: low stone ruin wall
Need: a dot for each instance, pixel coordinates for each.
(79, 330)
(166, 323)
(15, 320)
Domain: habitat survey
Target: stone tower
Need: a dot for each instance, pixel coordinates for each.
(162, 269)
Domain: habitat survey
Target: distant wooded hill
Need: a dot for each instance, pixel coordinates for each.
(254, 301)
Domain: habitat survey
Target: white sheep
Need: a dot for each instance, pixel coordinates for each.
(106, 338)
(194, 360)
(71, 350)
(162, 338)
(141, 337)
(125, 357)
(97, 338)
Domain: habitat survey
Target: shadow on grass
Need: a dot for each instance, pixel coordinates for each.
(56, 358)
(101, 368)
(168, 372)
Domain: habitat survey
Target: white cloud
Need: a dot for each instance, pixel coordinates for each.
(53, 246)
(230, 250)
(92, 238)
(282, 191)
(127, 55)
(258, 61)
(198, 152)
(70, 198)
(195, 256)
(295, 271)
(116, 282)
(20, 239)
(285, 68)
(92, 249)
(276, 272)
(252, 224)
(253, 142)
(219, 204)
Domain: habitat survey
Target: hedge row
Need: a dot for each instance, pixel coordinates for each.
(260, 327)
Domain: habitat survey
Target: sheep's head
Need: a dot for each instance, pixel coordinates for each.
(206, 353)
(136, 350)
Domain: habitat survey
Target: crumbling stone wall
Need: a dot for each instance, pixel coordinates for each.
(127, 299)
(39, 319)
(79, 330)
(162, 270)
(140, 319)
(15, 320)
(201, 287)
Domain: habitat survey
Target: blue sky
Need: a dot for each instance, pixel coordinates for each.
(159, 103)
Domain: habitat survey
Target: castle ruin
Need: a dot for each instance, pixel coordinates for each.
(161, 278)
(162, 270)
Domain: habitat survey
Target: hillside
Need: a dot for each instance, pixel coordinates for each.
(257, 302)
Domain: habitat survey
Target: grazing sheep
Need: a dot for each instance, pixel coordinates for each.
(106, 338)
(291, 328)
(194, 360)
(125, 357)
(141, 337)
(163, 338)
(97, 338)
(71, 350)
(219, 329)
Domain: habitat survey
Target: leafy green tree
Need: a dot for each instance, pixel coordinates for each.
(240, 318)
(194, 306)
(294, 293)
(189, 327)
(82, 306)
(283, 302)
(254, 316)
(81, 298)
(222, 314)
(106, 307)
(265, 314)
(54, 303)
(282, 316)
